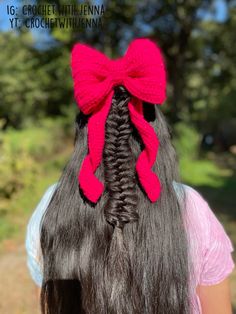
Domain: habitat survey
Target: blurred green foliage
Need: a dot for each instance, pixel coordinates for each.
(33, 84)
(31, 159)
(186, 140)
(195, 170)
(37, 107)
(22, 151)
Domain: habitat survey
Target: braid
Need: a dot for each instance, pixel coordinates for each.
(120, 208)
(119, 172)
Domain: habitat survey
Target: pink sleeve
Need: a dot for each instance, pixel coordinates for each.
(217, 259)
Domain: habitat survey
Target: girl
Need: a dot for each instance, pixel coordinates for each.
(119, 234)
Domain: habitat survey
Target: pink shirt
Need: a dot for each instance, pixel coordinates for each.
(210, 247)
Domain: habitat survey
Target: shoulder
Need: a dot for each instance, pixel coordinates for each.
(197, 210)
(210, 236)
(33, 225)
(201, 219)
(32, 236)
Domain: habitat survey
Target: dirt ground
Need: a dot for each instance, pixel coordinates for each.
(17, 290)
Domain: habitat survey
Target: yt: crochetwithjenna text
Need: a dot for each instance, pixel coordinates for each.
(66, 22)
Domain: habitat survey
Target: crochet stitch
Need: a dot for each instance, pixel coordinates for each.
(142, 72)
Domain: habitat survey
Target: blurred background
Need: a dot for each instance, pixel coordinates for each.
(37, 111)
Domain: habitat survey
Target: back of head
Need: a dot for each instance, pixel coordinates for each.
(122, 254)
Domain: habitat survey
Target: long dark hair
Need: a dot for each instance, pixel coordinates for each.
(124, 255)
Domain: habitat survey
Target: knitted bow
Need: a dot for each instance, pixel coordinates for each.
(142, 72)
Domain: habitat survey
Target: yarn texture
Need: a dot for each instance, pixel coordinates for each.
(142, 72)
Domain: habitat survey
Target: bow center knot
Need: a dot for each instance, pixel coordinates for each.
(117, 72)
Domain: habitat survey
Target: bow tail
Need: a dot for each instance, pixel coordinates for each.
(91, 186)
(148, 179)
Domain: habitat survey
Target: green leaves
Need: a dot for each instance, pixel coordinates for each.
(33, 84)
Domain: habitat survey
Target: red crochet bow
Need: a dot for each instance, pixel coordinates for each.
(142, 72)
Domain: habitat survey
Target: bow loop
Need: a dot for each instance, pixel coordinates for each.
(90, 69)
(146, 75)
